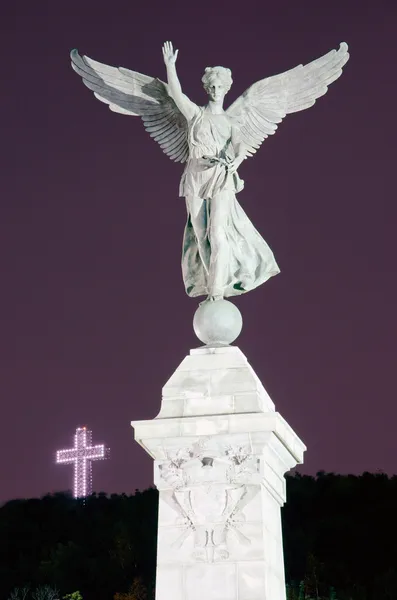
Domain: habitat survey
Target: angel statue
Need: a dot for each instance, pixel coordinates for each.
(223, 254)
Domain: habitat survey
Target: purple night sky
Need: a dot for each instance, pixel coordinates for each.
(94, 315)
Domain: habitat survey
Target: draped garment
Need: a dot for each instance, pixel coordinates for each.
(250, 260)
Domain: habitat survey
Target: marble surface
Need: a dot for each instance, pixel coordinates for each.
(217, 323)
(214, 381)
(223, 253)
(221, 481)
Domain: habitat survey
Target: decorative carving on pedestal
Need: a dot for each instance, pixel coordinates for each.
(221, 480)
(210, 484)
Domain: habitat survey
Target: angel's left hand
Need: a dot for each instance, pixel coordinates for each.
(233, 165)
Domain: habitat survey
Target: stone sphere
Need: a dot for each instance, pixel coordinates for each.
(217, 323)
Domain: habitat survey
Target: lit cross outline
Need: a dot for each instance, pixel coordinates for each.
(82, 456)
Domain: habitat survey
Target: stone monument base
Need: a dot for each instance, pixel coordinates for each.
(220, 454)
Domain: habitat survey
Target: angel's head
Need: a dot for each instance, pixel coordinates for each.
(217, 82)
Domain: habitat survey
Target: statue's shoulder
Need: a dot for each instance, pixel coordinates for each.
(197, 116)
(235, 120)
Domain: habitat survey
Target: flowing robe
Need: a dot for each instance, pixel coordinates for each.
(250, 261)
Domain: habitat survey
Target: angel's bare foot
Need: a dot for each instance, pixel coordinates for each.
(212, 298)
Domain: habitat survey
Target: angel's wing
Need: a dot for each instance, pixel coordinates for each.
(132, 93)
(268, 101)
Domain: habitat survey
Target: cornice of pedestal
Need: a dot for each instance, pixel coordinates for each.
(265, 437)
(255, 425)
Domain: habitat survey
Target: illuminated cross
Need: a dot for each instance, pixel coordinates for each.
(82, 456)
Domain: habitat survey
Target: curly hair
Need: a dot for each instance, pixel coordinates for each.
(211, 73)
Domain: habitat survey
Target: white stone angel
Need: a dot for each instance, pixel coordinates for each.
(223, 254)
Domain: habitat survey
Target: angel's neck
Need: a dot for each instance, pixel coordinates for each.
(216, 108)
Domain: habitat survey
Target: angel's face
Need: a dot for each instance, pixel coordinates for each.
(216, 90)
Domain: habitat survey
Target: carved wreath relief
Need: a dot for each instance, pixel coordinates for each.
(211, 484)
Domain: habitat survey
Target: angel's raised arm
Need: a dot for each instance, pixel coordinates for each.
(186, 106)
(131, 93)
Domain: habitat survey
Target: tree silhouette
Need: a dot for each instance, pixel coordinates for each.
(339, 532)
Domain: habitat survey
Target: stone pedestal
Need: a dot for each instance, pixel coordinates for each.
(220, 454)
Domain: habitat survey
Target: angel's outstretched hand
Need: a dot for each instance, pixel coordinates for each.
(169, 55)
(233, 165)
